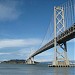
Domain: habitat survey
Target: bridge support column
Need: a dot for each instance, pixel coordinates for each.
(30, 61)
(65, 54)
(60, 56)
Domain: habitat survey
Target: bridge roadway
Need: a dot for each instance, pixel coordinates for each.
(63, 37)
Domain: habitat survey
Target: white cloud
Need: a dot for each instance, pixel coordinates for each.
(5, 53)
(8, 10)
(45, 56)
(46, 53)
(23, 52)
(19, 42)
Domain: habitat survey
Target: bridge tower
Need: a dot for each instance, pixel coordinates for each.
(60, 58)
(30, 61)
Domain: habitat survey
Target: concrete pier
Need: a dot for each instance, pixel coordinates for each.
(30, 61)
(71, 65)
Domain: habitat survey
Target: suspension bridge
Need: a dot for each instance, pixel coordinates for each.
(64, 30)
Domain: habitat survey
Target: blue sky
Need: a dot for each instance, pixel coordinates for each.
(23, 25)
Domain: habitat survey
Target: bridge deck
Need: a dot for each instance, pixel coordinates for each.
(63, 37)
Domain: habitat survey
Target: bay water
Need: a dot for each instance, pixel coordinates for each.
(38, 69)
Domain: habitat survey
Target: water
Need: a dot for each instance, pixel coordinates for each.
(40, 69)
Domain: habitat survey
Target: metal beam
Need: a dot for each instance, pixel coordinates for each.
(67, 35)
